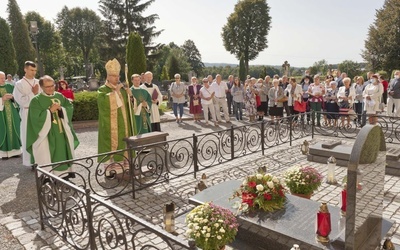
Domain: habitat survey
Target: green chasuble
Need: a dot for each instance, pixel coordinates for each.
(115, 121)
(142, 115)
(50, 136)
(10, 142)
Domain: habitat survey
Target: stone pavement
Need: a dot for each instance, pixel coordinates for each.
(21, 217)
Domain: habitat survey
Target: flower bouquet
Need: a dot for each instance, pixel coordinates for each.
(303, 180)
(211, 226)
(260, 191)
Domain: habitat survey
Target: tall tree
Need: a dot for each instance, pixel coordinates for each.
(247, 29)
(8, 64)
(382, 51)
(164, 74)
(193, 55)
(123, 17)
(173, 66)
(80, 31)
(22, 43)
(135, 57)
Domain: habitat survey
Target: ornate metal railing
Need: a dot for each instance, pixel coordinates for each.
(349, 128)
(86, 221)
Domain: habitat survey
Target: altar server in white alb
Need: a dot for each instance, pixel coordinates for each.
(24, 90)
(156, 98)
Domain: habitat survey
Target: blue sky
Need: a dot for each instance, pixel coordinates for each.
(302, 31)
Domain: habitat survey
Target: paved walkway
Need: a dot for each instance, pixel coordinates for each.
(19, 213)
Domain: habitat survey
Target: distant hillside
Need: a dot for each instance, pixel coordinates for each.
(220, 64)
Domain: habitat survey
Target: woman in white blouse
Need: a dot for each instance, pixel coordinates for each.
(372, 95)
(345, 99)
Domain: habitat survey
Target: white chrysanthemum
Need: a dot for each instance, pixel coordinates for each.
(219, 237)
(216, 225)
(208, 235)
(222, 230)
(245, 182)
(198, 235)
(220, 221)
(196, 227)
(205, 227)
(205, 220)
(275, 179)
(260, 187)
(259, 176)
(270, 184)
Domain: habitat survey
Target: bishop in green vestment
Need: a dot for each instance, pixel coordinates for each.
(141, 106)
(10, 142)
(115, 120)
(50, 135)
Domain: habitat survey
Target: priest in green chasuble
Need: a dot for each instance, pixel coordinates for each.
(115, 120)
(141, 106)
(50, 135)
(10, 142)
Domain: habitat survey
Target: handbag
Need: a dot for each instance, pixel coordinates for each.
(300, 106)
(195, 102)
(258, 100)
(283, 99)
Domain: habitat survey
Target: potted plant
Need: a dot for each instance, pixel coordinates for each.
(303, 181)
(211, 226)
(260, 191)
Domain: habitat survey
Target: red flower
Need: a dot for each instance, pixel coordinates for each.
(248, 198)
(281, 193)
(267, 196)
(252, 184)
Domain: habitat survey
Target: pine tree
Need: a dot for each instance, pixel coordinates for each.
(22, 43)
(135, 57)
(8, 64)
(164, 74)
(173, 66)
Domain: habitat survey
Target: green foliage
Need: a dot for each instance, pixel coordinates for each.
(247, 29)
(8, 64)
(135, 57)
(80, 30)
(350, 67)
(320, 67)
(52, 53)
(173, 66)
(382, 49)
(123, 17)
(22, 43)
(193, 55)
(164, 74)
(85, 106)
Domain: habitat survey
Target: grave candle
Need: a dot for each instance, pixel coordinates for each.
(323, 223)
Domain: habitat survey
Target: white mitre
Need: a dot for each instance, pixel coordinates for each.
(113, 67)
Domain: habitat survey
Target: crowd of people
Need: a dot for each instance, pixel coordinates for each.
(337, 100)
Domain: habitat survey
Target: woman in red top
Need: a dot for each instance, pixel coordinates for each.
(65, 90)
(385, 87)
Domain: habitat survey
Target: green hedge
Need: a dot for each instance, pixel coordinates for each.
(85, 106)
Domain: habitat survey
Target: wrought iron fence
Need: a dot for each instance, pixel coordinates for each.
(86, 221)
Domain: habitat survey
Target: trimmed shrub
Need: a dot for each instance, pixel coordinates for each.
(85, 106)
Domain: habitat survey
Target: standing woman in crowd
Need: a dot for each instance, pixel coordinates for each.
(358, 100)
(316, 92)
(345, 96)
(195, 100)
(372, 94)
(331, 104)
(275, 106)
(238, 98)
(178, 91)
(295, 94)
(250, 100)
(262, 90)
(65, 90)
(207, 95)
(306, 81)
